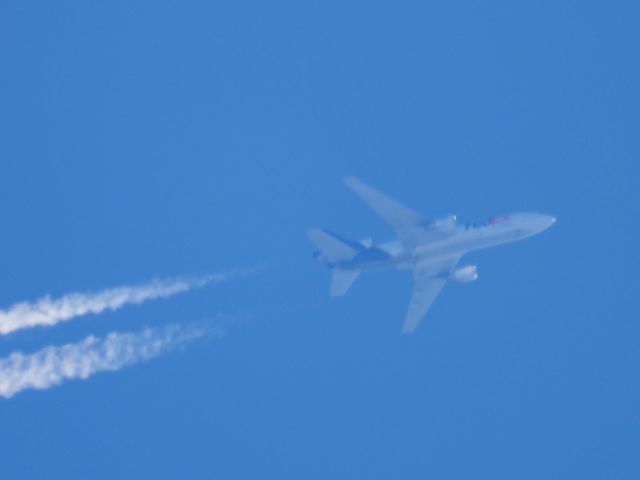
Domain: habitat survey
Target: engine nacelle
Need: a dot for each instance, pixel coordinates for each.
(446, 223)
(465, 274)
(366, 242)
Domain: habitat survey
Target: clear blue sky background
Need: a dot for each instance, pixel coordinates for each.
(144, 139)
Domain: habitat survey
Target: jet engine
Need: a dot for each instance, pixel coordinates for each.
(446, 223)
(465, 274)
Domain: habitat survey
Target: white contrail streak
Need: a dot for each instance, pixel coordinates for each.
(47, 311)
(56, 364)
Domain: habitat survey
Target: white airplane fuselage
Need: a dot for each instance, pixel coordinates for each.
(430, 249)
(460, 239)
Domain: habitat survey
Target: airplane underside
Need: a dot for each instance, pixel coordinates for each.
(430, 249)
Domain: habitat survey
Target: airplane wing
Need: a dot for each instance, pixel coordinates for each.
(399, 216)
(428, 281)
(410, 226)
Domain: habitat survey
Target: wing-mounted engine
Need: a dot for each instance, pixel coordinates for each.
(465, 274)
(443, 224)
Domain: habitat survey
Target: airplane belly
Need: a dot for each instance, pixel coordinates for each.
(373, 258)
(439, 249)
(466, 242)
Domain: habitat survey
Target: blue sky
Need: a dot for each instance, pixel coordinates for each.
(158, 139)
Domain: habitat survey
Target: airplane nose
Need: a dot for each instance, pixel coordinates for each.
(547, 221)
(537, 222)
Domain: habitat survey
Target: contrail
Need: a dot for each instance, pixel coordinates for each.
(56, 364)
(48, 311)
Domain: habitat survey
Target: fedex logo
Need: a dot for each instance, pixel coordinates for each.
(501, 219)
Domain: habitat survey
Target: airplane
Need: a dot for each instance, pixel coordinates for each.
(431, 249)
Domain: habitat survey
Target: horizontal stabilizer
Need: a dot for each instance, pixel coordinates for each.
(341, 281)
(333, 248)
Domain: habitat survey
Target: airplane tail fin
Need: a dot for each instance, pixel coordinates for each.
(341, 281)
(336, 249)
(333, 248)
